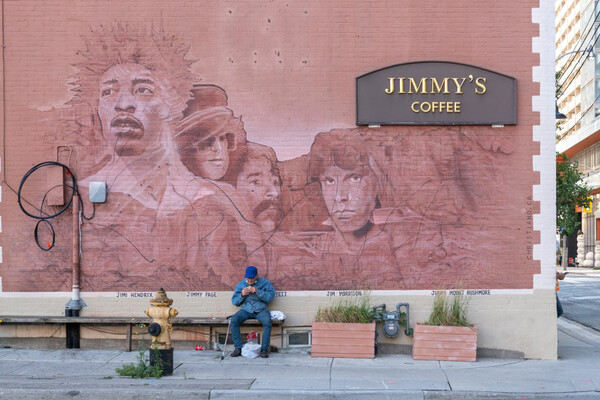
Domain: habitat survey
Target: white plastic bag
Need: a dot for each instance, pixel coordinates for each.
(250, 350)
(277, 315)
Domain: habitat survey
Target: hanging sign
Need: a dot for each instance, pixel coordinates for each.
(435, 93)
(588, 209)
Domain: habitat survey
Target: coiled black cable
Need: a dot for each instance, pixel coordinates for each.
(44, 218)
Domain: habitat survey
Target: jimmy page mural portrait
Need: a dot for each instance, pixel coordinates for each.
(191, 202)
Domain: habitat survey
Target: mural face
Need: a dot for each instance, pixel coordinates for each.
(131, 108)
(191, 202)
(207, 138)
(210, 157)
(259, 185)
(349, 195)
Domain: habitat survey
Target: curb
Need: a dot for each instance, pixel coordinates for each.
(318, 394)
(508, 396)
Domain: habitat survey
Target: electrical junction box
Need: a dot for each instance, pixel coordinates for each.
(97, 192)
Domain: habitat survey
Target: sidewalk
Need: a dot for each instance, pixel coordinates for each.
(581, 271)
(90, 374)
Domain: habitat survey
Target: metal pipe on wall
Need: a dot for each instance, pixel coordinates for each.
(74, 305)
(76, 248)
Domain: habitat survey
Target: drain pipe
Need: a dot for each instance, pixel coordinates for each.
(3, 168)
(75, 304)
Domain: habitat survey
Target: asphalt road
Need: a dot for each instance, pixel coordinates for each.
(580, 298)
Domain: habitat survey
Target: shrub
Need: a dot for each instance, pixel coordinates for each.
(448, 312)
(347, 309)
(142, 369)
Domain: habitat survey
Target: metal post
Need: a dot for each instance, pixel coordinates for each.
(565, 254)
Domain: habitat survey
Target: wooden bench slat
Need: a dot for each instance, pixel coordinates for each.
(128, 321)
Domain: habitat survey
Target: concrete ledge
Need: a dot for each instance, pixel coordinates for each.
(390, 348)
(44, 343)
(500, 353)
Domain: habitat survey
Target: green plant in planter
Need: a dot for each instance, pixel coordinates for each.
(348, 310)
(449, 312)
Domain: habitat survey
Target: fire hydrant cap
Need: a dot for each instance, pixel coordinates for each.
(154, 329)
(161, 299)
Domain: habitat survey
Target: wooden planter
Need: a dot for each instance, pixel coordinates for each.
(330, 339)
(445, 343)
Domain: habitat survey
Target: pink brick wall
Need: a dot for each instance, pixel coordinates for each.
(457, 198)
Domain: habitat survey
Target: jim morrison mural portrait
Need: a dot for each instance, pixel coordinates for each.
(191, 201)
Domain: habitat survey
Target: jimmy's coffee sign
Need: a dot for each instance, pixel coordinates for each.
(435, 93)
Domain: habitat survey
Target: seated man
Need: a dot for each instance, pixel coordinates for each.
(252, 294)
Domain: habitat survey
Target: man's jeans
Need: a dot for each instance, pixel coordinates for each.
(559, 309)
(264, 317)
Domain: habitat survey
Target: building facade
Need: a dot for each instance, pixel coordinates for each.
(578, 98)
(227, 134)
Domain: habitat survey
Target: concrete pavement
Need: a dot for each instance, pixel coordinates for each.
(581, 271)
(90, 374)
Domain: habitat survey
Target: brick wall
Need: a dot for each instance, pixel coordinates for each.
(288, 71)
(274, 75)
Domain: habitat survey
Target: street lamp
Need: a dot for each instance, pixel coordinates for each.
(589, 50)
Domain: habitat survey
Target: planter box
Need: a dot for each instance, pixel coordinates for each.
(445, 343)
(340, 340)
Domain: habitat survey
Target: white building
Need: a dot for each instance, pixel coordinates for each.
(578, 98)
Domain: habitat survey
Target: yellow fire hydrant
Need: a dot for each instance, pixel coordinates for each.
(161, 327)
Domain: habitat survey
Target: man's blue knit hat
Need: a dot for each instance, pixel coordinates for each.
(251, 272)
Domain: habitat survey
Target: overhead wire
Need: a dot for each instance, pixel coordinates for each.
(581, 117)
(582, 38)
(562, 88)
(578, 49)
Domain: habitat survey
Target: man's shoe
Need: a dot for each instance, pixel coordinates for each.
(264, 353)
(236, 353)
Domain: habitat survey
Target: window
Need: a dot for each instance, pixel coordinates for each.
(297, 337)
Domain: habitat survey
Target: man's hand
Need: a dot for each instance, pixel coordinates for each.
(247, 290)
(560, 276)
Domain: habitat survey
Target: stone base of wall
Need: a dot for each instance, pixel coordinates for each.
(116, 344)
(390, 348)
(495, 315)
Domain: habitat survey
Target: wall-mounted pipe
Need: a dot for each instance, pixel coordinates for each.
(75, 304)
(398, 307)
(76, 248)
(3, 172)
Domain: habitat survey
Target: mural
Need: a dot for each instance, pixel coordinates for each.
(191, 201)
